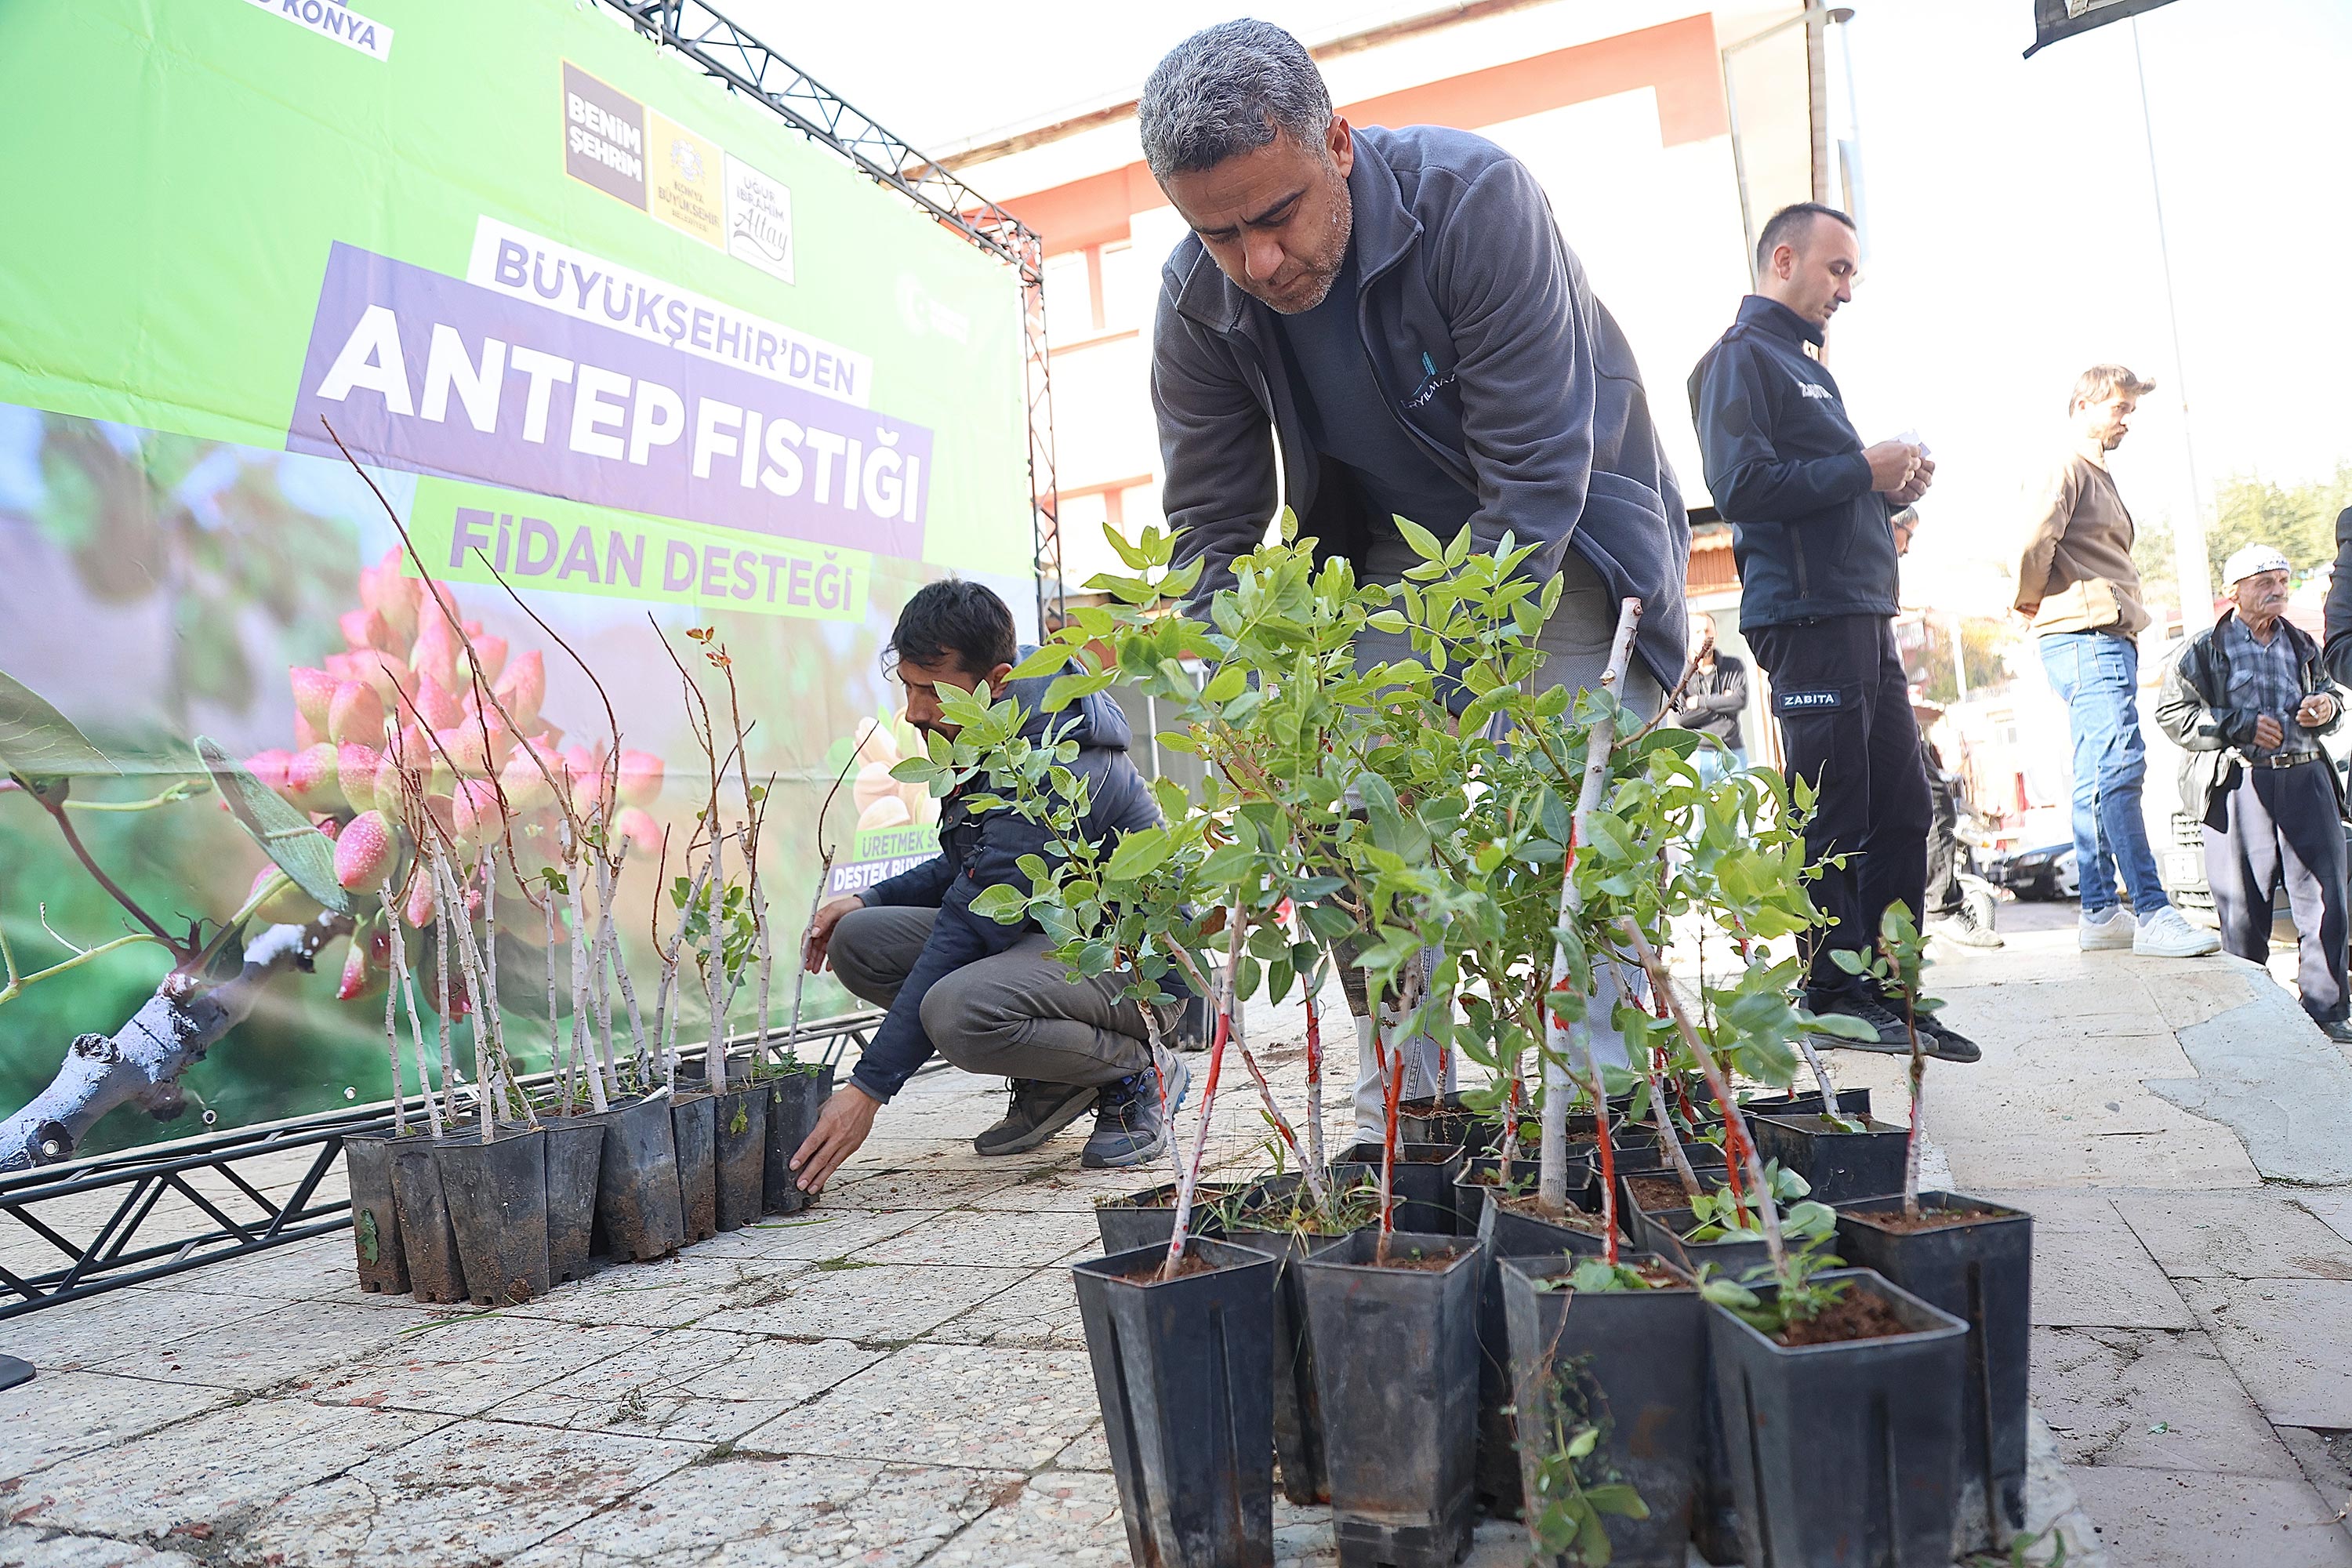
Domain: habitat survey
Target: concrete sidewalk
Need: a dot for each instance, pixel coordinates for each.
(900, 1377)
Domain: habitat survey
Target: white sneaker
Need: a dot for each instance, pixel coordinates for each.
(2108, 932)
(2164, 933)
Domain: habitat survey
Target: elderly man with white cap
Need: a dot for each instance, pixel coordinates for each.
(2248, 699)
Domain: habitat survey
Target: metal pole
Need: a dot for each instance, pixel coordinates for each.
(2191, 562)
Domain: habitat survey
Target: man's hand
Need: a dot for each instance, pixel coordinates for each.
(1916, 486)
(2027, 612)
(820, 935)
(844, 1123)
(2268, 733)
(1891, 464)
(2318, 710)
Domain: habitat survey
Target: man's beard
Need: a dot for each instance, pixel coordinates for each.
(1326, 273)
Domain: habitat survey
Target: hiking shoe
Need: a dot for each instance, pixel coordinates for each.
(1945, 1044)
(2166, 933)
(1129, 1125)
(1894, 1035)
(1036, 1111)
(2336, 1029)
(2109, 931)
(1966, 927)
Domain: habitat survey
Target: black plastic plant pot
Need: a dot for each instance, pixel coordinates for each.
(1839, 1166)
(1979, 1268)
(428, 1243)
(575, 1152)
(1854, 1102)
(639, 1213)
(1450, 1122)
(1661, 1231)
(1396, 1367)
(693, 1125)
(375, 1216)
(1182, 1371)
(497, 1191)
(1845, 1452)
(1297, 1408)
(1148, 1218)
(795, 1097)
(1424, 1186)
(1509, 1230)
(1630, 1363)
(1656, 1191)
(739, 1125)
(1714, 1513)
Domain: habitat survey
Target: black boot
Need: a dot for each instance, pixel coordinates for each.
(1037, 1111)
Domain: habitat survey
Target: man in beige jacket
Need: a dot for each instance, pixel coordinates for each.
(2077, 583)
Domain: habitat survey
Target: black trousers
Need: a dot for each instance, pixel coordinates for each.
(2283, 823)
(1844, 708)
(1943, 893)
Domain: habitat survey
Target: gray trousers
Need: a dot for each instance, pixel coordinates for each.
(1575, 642)
(2284, 827)
(1017, 1015)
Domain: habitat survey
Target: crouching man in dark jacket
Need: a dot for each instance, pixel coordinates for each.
(988, 996)
(2248, 700)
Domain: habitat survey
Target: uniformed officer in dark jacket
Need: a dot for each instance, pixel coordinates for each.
(1809, 506)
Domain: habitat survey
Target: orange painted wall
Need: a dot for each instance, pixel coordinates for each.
(1676, 59)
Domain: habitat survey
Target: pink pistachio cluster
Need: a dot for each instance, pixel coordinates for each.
(404, 699)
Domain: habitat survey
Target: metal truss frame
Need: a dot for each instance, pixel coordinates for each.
(100, 1212)
(723, 49)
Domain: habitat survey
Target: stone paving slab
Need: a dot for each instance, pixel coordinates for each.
(85, 1333)
(62, 1413)
(1018, 1240)
(468, 1496)
(465, 1366)
(1042, 1310)
(669, 1293)
(2089, 1269)
(983, 1406)
(872, 1302)
(266, 1351)
(2150, 1399)
(2285, 1340)
(2168, 1519)
(794, 1510)
(25, 1546)
(214, 1472)
(2231, 1236)
(1056, 1521)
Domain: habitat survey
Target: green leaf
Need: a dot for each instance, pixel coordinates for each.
(1845, 1027)
(1069, 688)
(289, 838)
(1139, 853)
(1003, 903)
(1049, 659)
(1618, 1499)
(1227, 685)
(1424, 544)
(38, 741)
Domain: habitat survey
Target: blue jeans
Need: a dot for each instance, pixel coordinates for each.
(2097, 674)
(1713, 764)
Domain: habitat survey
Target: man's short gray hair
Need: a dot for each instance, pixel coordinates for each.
(1226, 90)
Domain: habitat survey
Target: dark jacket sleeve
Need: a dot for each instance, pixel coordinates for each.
(2185, 713)
(958, 938)
(2335, 656)
(1216, 448)
(1524, 324)
(920, 888)
(1748, 479)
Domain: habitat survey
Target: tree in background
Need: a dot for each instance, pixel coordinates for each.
(2299, 520)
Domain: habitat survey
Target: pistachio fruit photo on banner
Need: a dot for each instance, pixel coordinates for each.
(458, 469)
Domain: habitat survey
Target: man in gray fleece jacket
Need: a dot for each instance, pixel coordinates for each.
(1391, 316)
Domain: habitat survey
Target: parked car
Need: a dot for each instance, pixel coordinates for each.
(2046, 873)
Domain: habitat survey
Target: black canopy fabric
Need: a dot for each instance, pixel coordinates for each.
(2056, 19)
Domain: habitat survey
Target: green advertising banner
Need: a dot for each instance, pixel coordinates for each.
(625, 357)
